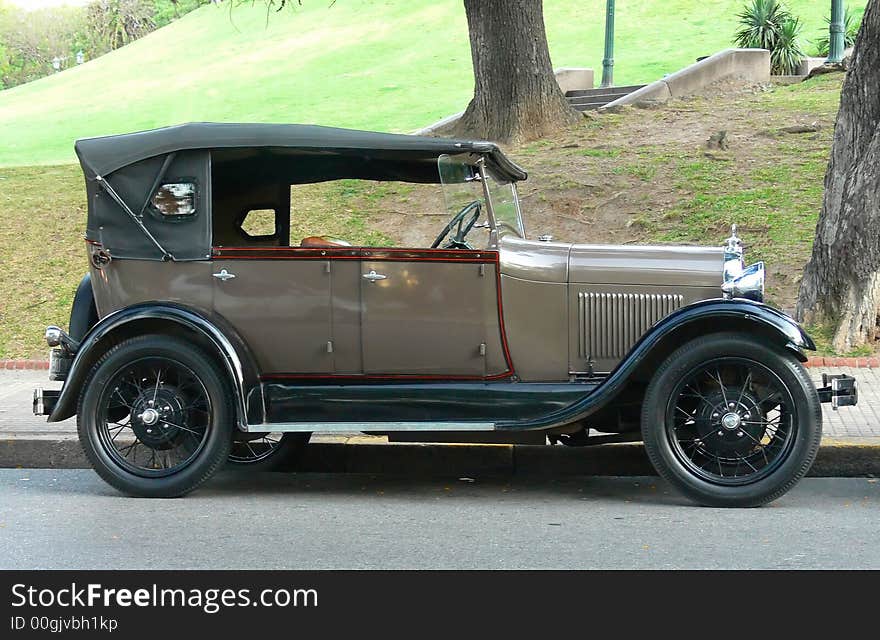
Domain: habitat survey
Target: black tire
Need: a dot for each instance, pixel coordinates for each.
(784, 446)
(258, 454)
(195, 393)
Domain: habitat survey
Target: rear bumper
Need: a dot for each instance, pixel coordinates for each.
(45, 401)
(840, 390)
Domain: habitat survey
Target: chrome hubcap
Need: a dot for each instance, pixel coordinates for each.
(149, 417)
(731, 421)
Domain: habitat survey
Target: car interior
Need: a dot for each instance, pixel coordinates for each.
(251, 197)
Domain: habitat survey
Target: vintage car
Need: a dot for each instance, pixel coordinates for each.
(196, 339)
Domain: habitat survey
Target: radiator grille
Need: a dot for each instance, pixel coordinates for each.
(611, 323)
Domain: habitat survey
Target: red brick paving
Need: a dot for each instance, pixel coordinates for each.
(24, 364)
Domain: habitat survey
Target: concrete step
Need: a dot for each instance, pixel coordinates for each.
(603, 91)
(591, 99)
(587, 106)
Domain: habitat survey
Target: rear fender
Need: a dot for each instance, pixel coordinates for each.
(210, 331)
(83, 312)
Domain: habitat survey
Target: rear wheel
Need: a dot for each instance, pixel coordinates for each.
(267, 451)
(154, 417)
(731, 421)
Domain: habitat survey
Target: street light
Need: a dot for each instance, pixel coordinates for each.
(608, 60)
(835, 40)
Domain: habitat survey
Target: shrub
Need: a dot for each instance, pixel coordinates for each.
(768, 24)
(787, 55)
(761, 23)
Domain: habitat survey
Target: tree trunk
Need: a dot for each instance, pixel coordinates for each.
(516, 96)
(841, 284)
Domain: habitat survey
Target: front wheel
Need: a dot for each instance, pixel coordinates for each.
(731, 421)
(155, 417)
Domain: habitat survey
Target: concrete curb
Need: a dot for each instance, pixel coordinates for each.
(837, 458)
(872, 362)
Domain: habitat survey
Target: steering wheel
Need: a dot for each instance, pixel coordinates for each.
(461, 227)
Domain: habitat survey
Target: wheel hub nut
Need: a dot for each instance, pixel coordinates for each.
(149, 416)
(731, 421)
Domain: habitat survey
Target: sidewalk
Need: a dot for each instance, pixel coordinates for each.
(851, 442)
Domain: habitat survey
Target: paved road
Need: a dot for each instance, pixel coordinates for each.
(69, 519)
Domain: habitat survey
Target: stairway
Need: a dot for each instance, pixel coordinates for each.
(588, 99)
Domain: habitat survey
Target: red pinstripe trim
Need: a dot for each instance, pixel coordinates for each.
(380, 254)
(507, 360)
(366, 250)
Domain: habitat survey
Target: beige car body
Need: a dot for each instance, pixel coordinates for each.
(567, 309)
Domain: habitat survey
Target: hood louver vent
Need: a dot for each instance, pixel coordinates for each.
(611, 323)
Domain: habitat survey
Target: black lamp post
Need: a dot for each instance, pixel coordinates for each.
(608, 60)
(835, 40)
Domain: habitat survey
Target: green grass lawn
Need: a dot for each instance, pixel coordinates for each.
(393, 65)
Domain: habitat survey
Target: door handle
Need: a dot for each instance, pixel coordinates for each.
(373, 276)
(224, 275)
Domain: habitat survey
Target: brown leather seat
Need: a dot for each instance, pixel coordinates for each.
(316, 242)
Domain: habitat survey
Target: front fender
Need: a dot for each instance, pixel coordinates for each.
(211, 330)
(700, 318)
(782, 327)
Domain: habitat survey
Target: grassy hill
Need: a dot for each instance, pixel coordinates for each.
(392, 65)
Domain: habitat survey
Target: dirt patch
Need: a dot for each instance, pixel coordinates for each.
(653, 176)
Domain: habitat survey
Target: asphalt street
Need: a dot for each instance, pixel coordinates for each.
(69, 519)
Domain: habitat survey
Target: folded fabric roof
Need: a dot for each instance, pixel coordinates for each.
(104, 155)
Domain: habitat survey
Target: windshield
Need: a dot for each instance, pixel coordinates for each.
(505, 206)
(463, 185)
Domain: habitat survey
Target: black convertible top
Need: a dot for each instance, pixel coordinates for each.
(102, 156)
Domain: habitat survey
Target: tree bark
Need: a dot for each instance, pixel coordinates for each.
(841, 283)
(516, 96)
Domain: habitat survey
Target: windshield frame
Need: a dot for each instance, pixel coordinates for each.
(497, 225)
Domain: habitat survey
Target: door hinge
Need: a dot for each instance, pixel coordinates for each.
(329, 346)
(482, 348)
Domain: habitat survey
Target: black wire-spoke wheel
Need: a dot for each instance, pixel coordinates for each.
(155, 417)
(167, 416)
(731, 420)
(267, 451)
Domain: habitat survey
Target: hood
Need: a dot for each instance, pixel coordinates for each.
(612, 264)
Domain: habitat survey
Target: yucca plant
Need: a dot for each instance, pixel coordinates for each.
(787, 54)
(851, 24)
(761, 23)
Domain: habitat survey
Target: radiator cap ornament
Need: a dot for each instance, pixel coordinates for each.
(741, 281)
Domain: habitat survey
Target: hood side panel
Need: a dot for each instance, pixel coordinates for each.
(647, 265)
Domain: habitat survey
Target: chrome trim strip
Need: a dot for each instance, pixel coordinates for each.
(348, 427)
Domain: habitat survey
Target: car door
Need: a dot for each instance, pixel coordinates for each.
(431, 313)
(280, 307)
